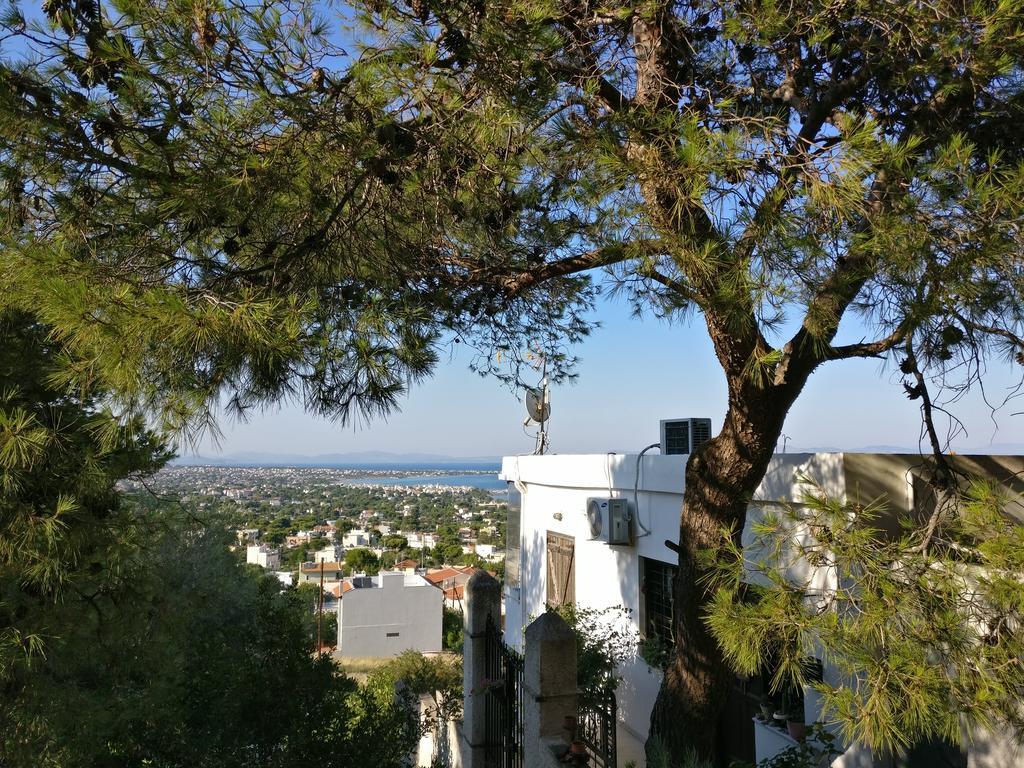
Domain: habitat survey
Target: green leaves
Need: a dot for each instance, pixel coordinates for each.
(920, 643)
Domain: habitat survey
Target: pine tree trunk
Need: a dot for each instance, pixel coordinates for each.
(720, 480)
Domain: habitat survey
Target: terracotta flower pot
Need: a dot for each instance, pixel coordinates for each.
(796, 729)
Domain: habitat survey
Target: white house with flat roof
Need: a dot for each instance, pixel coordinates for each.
(330, 553)
(355, 538)
(383, 615)
(559, 553)
(263, 556)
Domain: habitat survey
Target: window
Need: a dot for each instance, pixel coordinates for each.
(656, 598)
(561, 571)
(512, 524)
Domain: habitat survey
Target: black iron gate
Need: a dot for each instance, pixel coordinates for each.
(596, 725)
(503, 702)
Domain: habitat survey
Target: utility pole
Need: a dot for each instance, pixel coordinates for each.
(320, 611)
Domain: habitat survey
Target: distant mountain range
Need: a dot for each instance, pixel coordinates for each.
(995, 449)
(251, 458)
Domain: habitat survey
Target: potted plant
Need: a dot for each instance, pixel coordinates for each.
(795, 719)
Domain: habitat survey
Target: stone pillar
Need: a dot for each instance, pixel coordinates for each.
(549, 689)
(483, 599)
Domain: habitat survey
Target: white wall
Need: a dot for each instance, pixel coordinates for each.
(328, 554)
(559, 486)
(262, 556)
(605, 576)
(404, 606)
(609, 576)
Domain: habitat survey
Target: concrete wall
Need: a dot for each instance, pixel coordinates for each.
(262, 556)
(554, 493)
(607, 576)
(403, 612)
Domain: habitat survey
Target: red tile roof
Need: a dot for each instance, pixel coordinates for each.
(315, 567)
(438, 575)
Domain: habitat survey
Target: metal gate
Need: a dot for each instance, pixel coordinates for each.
(597, 731)
(503, 702)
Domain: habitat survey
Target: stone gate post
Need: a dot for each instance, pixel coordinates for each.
(483, 599)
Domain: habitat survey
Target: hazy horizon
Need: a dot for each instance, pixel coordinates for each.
(633, 373)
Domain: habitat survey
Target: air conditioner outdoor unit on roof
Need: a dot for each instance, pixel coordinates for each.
(683, 435)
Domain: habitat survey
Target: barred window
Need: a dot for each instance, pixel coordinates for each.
(656, 599)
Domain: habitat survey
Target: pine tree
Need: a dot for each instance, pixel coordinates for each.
(129, 634)
(221, 199)
(922, 624)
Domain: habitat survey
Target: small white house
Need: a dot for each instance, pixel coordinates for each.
(383, 615)
(328, 554)
(263, 556)
(320, 571)
(421, 540)
(487, 551)
(562, 554)
(355, 538)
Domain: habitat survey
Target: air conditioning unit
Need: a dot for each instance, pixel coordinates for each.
(609, 521)
(683, 435)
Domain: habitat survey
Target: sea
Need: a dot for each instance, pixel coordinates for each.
(483, 476)
(462, 475)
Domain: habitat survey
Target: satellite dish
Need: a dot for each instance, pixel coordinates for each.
(594, 518)
(538, 405)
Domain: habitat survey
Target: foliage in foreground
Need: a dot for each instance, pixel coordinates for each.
(215, 200)
(605, 638)
(925, 627)
(130, 635)
(439, 677)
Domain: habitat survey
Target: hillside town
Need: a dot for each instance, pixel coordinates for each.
(339, 532)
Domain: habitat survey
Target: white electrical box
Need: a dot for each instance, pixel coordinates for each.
(680, 436)
(609, 521)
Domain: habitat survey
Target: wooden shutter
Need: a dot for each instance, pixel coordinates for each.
(561, 569)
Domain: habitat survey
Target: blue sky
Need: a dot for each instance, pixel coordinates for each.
(633, 373)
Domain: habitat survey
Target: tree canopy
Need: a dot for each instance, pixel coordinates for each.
(131, 635)
(255, 201)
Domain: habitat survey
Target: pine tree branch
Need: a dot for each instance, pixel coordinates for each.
(793, 164)
(869, 348)
(516, 284)
(681, 289)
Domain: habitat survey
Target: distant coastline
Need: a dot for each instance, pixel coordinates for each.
(482, 475)
(341, 460)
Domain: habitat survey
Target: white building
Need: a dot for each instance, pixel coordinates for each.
(263, 556)
(321, 570)
(421, 540)
(355, 538)
(487, 551)
(328, 554)
(381, 616)
(558, 559)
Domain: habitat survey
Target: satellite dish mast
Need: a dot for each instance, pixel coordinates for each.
(538, 406)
